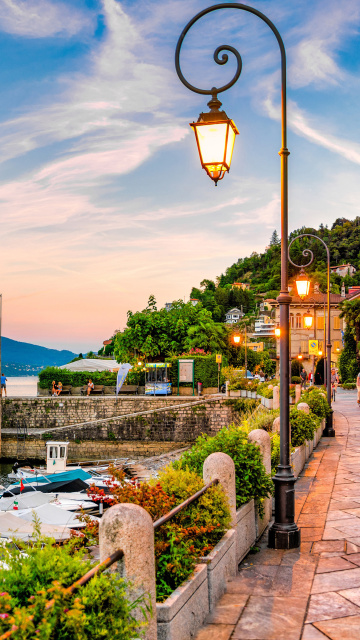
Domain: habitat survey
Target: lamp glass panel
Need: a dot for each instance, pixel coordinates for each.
(308, 321)
(236, 339)
(303, 287)
(211, 139)
(277, 332)
(230, 146)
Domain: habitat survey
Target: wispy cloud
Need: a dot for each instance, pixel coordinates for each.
(42, 18)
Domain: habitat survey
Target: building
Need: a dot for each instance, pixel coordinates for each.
(256, 346)
(240, 285)
(316, 304)
(234, 315)
(194, 301)
(264, 327)
(343, 270)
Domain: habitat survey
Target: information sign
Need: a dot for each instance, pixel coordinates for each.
(313, 347)
(218, 358)
(186, 370)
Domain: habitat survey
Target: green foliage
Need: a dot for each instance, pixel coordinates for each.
(250, 475)
(75, 378)
(242, 405)
(349, 385)
(295, 380)
(317, 403)
(154, 334)
(98, 610)
(296, 367)
(205, 369)
(218, 299)
(348, 366)
(303, 427)
(261, 420)
(275, 452)
(350, 310)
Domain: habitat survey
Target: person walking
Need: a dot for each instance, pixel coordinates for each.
(3, 383)
(334, 383)
(303, 377)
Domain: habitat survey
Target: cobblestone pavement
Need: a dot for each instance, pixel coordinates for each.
(312, 593)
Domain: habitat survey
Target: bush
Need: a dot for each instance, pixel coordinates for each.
(349, 385)
(275, 452)
(98, 610)
(251, 478)
(206, 369)
(317, 403)
(75, 378)
(295, 380)
(190, 534)
(242, 405)
(303, 427)
(262, 420)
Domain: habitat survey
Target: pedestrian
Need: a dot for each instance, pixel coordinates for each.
(3, 383)
(303, 377)
(262, 376)
(334, 383)
(90, 386)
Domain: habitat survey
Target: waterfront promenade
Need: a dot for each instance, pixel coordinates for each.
(312, 593)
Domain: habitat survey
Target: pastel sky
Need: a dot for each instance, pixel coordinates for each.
(103, 200)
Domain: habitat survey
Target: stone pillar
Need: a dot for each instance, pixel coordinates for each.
(297, 393)
(262, 439)
(130, 528)
(219, 466)
(303, 406)
(276, 425)
(276, 397)
(227, 390)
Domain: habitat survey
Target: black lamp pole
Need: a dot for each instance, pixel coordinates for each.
(329, 430)
(284, 534)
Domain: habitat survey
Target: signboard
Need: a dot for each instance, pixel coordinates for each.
(313, 347)
(122, 373)
(218, 358)
(186, 370)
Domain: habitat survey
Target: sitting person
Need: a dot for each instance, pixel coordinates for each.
(59, 388)
(90, 386)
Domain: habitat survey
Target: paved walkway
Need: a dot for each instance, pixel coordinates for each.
(312, 593)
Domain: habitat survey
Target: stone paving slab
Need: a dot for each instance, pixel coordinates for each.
(311, 593)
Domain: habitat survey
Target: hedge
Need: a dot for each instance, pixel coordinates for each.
(206, 369)
(75, 378)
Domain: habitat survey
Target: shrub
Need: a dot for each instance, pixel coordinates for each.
(275, 452)
(265, 392)
(242, 405)
(303, 427)
(262, 419)
(190, 534)
(206, 369)
(251, 478)
(295, 380)
(349, 385)
(75, 378)
(98, 610)
(317, 403)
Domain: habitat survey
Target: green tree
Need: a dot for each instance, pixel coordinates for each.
(350, 310)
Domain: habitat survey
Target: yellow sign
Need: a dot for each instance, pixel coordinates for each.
(313, 347)
(218, 358)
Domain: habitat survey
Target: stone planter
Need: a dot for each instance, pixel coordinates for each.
(243, 393)
(298, 459)
(262, 523)
(291, 400)
(235, 394)
(209, 391)
(267, 402)
(248, 394)
(185, 391)
(253, 394)
(184, 612)
(245, 530)
(221, 566)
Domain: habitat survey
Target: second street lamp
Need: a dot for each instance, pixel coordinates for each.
(284, 533)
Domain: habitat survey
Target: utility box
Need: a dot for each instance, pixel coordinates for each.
(56, 456)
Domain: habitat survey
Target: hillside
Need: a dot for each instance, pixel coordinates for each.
(22, 358)
(262, 270)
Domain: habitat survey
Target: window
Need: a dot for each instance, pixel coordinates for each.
(298, 321)
(320, 322)
(53, 452)
(291, 320)
(304, 346)
(336, 346)
(336, 322)
(62, 452)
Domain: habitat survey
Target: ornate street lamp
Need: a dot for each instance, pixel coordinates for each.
(237, 339)
(215, 159)
(215, 137)
(302, 285)
(329, 430)
(308, 320)
(277, 332)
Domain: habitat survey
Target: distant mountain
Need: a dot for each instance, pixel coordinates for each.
(24, 359)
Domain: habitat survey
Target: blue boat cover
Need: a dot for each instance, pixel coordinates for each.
(74, 474)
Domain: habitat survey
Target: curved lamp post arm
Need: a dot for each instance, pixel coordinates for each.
(329, 430)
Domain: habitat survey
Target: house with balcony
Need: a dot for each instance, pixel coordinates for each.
(234, 315)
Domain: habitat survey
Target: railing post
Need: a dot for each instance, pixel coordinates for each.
(297, 393)
(130, 528)
(219, 466)
(303, 406)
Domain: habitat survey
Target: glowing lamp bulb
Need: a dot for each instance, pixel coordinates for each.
(302, 285)
(308, 320)
(236, 339)
(277, 332)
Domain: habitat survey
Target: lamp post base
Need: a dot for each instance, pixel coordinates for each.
(329, 431)
(284, 533)
(284, 537)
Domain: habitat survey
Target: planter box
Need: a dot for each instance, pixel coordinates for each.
(243, 393)
(266, 402)
(184, 612)
(253, 394)
(262, 523)
(245, 530)
(185, 391)
(209, 391)
(298, 459)
(248, 394)
(221, 566)
(235, 394)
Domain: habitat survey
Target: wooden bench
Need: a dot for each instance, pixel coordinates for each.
(99, 389)
(131, 389)
(66, 390)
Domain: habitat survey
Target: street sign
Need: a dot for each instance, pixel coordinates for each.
(313, 347)
(186, 370)
(218, 358)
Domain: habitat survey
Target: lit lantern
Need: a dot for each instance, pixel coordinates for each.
(215, 137)
(308, 320)
(302, 285)
(320, 353)
(277, 332)
(300, 357)
(236, 339)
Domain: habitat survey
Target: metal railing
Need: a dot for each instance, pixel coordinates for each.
(117, 555)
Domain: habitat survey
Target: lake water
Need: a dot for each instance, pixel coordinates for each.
(24, 386)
